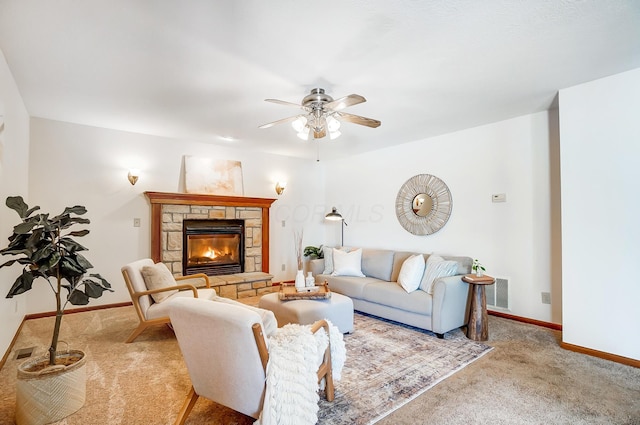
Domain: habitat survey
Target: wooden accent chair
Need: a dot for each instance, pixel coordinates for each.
(151, 312)
(226, 355)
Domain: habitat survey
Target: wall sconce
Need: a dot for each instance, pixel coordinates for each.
(280, 187)
(133, 176)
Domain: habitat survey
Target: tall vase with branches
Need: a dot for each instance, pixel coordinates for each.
(297, 238)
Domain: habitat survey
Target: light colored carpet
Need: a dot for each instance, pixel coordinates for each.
(526, 379)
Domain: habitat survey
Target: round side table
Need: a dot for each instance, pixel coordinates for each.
(478, 326)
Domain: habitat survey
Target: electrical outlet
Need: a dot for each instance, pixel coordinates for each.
(546, 298)
(284, 223)
(283, 267)
(136, 222)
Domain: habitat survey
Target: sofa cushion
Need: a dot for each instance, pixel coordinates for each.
(411, 272)
(377, 263)
(436, 267)
(392, 295)
(347, 263)
(350, 286)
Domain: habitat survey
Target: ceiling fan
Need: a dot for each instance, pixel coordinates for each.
(322, 114)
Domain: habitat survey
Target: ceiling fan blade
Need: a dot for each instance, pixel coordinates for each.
(282, 121)
(357, 119)
(343, 102)
(283, 102)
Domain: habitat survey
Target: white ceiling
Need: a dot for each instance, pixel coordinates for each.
(201, 70)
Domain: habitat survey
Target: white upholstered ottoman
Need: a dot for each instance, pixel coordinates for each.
(338, 309)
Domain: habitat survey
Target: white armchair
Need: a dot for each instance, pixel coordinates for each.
(166, 288)
(226, 355)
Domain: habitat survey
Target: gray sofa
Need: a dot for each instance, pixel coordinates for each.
(379, 293)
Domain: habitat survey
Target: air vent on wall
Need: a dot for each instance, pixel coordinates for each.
(498, 294)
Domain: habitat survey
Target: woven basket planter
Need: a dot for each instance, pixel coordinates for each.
(52, 393)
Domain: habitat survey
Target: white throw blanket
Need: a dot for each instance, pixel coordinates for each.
(291, 396)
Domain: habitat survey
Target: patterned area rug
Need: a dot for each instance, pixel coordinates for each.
(146, 382)
(388, 365)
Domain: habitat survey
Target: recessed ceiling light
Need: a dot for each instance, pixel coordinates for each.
(228, 138)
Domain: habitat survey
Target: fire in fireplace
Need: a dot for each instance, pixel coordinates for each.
(213, 247)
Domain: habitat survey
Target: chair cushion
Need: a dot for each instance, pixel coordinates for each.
(158, 310)
(158, 276)
(269, 322)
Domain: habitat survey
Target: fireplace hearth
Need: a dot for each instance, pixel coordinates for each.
(213, 247)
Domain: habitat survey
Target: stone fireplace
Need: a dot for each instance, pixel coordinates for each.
(172, 212)
(213, 247)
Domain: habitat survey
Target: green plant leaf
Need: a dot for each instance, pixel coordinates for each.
(70, 268)
(102, 280)
(83, 262)
(79, 232)
(71, 245)
(78, 298)
(24, 228)
(30, 211)
(17, 204)
(8, 263)
(22, 284)
(44, 253)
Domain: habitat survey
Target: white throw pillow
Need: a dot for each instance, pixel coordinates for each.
(436, 267)
(347, 263)
(158, 276)
(328, 258)
(411, 272)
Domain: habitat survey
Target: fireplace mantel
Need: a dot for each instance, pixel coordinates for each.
(200, 199)
(158, 199)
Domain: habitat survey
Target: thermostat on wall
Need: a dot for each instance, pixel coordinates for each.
(499, 197)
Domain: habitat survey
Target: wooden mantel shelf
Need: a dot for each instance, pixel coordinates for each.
(158, 199)
(202, 199)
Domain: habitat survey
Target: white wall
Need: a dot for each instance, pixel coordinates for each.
(72, 164)
(511, 239)
(14, 149)
(600, 151)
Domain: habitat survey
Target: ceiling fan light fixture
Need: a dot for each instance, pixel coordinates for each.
(299, 124)
(321, 113)
(333, 125)
(304, 133)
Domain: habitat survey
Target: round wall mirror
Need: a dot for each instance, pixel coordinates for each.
(423, 204)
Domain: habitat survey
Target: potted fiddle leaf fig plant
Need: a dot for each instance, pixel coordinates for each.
(45, 249)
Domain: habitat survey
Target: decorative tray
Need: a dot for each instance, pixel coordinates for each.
(289, 292)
